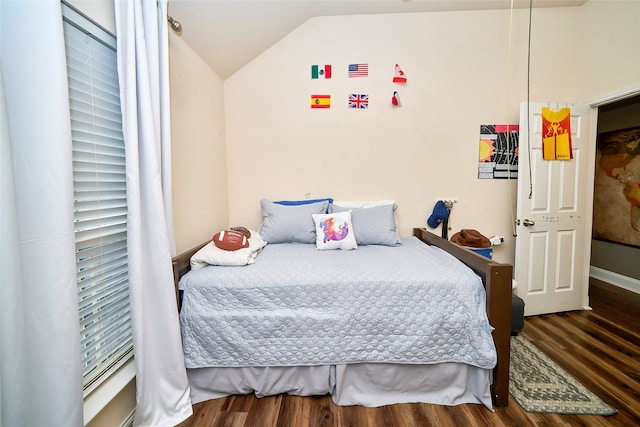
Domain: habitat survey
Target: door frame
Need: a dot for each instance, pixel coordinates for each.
(618, 95)
(606, 99)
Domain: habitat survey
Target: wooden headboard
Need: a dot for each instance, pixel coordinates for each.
(496, 278)
(181, 265)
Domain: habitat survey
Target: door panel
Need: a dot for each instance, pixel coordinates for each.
(554, 215)
(537, 282)
(566, 256)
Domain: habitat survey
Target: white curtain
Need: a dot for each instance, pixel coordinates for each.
(162, 386)
(40, 368)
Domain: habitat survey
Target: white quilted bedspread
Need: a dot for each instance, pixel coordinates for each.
(411, 304)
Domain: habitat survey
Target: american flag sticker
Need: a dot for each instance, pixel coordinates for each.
(358, 100)
(358, 70)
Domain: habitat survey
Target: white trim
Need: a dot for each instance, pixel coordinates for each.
(129, 421)
(616, 279)
(98, 399)
(618, 95)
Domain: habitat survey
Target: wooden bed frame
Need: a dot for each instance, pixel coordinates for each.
(496, 278)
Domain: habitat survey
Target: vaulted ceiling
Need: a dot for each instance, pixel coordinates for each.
(229, 34)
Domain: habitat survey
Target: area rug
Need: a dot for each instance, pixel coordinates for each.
(540, 385)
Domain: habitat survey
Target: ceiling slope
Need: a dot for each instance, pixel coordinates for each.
(229, 34)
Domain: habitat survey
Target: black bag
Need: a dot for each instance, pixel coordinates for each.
(517, 315)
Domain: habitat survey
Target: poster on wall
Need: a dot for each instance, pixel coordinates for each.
(498, 158)
(556, 134)
(616, 197)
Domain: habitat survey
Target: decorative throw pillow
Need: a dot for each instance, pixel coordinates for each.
(290, 223)
(373, 226)
(334, 231)
(230, 240)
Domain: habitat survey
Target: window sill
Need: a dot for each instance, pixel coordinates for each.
(99, 398)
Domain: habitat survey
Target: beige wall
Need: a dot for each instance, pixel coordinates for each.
(610, 46)
(461, 72)
(101, 11)
(457, 65)
(198, 148)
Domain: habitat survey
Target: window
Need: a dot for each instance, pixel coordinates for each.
(100, 202)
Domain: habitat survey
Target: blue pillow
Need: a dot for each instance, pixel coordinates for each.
(302, 202)
(290, 223)
(373, 226)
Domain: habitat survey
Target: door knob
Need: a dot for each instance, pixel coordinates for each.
(528, 222)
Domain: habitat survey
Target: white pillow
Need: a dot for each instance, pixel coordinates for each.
(210, 254)
(334, 231)
(364, 203)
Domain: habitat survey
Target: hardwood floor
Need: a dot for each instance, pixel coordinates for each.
(601, 348)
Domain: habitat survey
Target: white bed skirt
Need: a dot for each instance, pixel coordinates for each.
(366, 384)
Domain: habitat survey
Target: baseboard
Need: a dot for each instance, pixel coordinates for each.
(616, 279)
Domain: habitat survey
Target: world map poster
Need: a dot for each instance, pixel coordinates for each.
(616, 196)
(498, 158)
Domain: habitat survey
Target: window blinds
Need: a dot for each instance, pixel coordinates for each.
(100, 202)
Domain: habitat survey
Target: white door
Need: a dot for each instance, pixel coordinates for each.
(554, 214)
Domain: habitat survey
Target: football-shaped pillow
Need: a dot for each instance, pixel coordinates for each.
(230, 240)
(242, 230)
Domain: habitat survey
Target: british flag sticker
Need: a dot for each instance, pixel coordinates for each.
(358, 100)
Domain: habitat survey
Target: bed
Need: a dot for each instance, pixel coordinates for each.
(365, 336)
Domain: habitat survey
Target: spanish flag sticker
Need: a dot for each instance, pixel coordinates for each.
(320, 101)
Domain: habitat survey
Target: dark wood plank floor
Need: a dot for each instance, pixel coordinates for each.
(601, 348)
